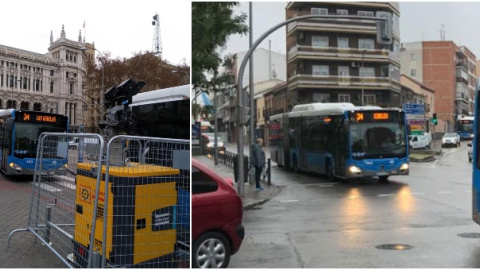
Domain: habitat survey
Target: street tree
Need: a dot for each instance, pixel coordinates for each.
(212, 23)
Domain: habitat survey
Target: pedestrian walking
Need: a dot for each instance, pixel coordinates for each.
(258, 161)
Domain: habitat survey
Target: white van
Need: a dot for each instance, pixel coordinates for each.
(73, 144)
(420, 141)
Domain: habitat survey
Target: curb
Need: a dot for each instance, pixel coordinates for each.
(423, 160)
(249, 206)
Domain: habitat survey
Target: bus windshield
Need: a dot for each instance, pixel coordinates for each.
(377, 140)
(465, 126)
(26, 136)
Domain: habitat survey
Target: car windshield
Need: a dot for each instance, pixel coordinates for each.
(450, 135)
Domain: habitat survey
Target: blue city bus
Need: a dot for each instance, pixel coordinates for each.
(19, 135)
(465, 127)
(476, 159)
(341, 140)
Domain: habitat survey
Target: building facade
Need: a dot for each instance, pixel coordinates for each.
(268, 65)
(340, 60)
(51, 82)
(448, 69)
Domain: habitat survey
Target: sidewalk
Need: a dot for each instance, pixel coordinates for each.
(251, 198)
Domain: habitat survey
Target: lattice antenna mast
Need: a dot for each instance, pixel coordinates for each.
(157, 40)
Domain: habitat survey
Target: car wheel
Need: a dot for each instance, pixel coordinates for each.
(211, 250)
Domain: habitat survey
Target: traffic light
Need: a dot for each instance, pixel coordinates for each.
(434, 119)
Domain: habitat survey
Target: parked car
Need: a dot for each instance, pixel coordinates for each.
(208, 143)
(452, 139)
(470, 152)
(217, 213)
(420, 141)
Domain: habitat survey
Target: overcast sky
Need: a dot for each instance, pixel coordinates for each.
(120, 27)
(419, 21)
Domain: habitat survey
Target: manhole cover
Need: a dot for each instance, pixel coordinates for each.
(469, 235)
(394, 247)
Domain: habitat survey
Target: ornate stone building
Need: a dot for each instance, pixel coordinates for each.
(51, 82)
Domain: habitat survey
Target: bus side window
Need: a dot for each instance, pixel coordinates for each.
(9, 125)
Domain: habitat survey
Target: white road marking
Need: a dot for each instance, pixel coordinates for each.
(289, 201)
(385, 195)
(444, 192)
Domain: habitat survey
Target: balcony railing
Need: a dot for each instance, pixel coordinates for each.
(352, 54)
(306, 80)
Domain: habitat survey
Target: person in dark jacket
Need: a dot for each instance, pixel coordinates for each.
(258, 161)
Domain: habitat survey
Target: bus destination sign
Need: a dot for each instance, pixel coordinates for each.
(373, 116)
(39, 118)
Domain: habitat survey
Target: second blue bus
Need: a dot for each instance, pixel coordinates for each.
(341, 140)
(465, 127)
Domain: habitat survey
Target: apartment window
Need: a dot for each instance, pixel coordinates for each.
(343, 98)
(51, 73)
(51, 87)
(71, 88)
(37, 85)
(320, 70)
(365, 43)
(369, 99)
(365, 13)
(367, 72)
(320, 97)
(343, 71)
(319, 11)
(413, 72)
(342, 12)
(319, 41)
(413, 57)
(1, 79)
(342, 42)
(67, 74)
(384, 69)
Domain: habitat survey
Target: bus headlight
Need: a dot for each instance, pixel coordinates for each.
(404, 167)
(354, 170)
(15, 166)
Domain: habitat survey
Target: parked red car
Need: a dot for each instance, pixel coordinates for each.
(217, 213)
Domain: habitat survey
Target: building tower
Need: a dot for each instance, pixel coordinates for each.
(157, 41)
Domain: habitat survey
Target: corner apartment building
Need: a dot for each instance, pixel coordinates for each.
(339, 60)
(448, 69)
(51, 82)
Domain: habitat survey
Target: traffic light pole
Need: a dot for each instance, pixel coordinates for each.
(384, 36)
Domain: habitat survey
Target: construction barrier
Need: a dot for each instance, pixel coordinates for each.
(127, 206)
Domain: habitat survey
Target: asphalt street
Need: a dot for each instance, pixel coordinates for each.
(422, 220)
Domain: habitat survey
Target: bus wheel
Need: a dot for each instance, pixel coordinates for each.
(383, 179)
(329, 170)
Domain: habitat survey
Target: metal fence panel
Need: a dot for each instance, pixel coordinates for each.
(134, 207)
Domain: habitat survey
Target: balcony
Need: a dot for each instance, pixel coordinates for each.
(335, 54)
(334, 25)
(345, 82)
(462, 97)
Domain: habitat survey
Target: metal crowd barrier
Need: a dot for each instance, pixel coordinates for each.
(127, 206)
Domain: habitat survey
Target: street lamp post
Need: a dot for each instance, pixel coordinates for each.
(361, 78)
(186, 74)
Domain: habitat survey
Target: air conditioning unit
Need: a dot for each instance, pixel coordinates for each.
(355, 64)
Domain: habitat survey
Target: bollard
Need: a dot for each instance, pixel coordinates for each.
(269, 171)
